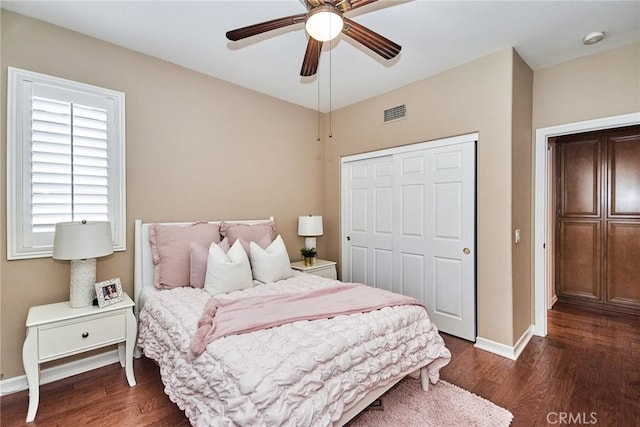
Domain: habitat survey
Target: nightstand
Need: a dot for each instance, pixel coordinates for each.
(320, 268)
(56, 330)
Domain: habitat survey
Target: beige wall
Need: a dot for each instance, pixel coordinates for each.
(521, 195)
(595, 86)
(197, 147)
(475, 97)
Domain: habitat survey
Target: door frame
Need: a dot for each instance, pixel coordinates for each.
(542, 257)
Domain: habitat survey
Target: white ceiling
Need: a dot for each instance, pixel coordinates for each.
(435, 36)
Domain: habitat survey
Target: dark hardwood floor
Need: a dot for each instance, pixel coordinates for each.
(586, 371)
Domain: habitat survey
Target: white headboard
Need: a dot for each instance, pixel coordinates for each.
(143, 267)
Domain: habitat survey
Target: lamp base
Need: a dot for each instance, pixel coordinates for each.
(83, 277)
(310, 242)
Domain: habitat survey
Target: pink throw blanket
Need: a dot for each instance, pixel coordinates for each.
(221, 319)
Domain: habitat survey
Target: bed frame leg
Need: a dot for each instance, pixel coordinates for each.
(424, 379)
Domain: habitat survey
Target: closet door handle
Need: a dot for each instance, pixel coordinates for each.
(348, 238)
(466, 251)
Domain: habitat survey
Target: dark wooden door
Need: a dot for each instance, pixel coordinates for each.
(598, 219)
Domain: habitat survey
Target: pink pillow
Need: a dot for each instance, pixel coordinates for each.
(170, 249)
(248, 233)
(199, 252)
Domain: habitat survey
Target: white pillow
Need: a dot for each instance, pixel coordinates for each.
(227, 272)
(272, 263)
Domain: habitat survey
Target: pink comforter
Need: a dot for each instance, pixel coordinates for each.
(224, 318)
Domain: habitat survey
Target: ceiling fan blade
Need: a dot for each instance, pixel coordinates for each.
(313, 3)
(352, 4)
(374, 41)
(311, 58)
(263, 27)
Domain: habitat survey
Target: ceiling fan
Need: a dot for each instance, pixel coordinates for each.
(324, 20)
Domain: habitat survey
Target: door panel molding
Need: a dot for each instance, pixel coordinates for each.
(624, 179)
(579, 171)
(579, 253)
(623, 254)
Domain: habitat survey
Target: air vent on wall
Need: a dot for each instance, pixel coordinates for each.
(395, 113)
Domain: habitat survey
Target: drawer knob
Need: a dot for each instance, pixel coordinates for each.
(85, 334)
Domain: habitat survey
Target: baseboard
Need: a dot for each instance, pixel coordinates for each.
(55, 373)
(510, 352)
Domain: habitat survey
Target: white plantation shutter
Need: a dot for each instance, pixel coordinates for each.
(69, 145)
(69, 179)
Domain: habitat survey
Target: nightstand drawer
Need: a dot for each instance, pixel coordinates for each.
(329, 272)
(73, 337)
(321, 267)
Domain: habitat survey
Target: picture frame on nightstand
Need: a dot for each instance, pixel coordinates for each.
(109, 292)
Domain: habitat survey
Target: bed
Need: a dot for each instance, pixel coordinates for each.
(309, 372)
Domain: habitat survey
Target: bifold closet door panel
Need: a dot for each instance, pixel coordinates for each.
(434, 242)
(369, 215)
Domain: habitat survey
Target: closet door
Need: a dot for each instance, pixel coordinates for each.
(409, 227)
(450, 282)
(368, 210)
(434, 233)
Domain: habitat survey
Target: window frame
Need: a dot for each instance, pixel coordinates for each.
(18, 166)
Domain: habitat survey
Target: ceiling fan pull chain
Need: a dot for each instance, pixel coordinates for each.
(330, 92)
(318, 83)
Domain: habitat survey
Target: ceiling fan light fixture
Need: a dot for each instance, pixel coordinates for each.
(324, 23)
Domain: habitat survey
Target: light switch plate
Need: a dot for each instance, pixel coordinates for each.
(517, 235)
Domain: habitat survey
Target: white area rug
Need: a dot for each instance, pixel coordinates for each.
(443, 405)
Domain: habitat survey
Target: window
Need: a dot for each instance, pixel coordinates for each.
(65, 160)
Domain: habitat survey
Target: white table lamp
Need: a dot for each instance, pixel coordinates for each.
(82, 242)
(310, 226)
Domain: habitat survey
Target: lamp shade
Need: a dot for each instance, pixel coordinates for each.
(310, 225)
(82, 240)
(324, 23)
